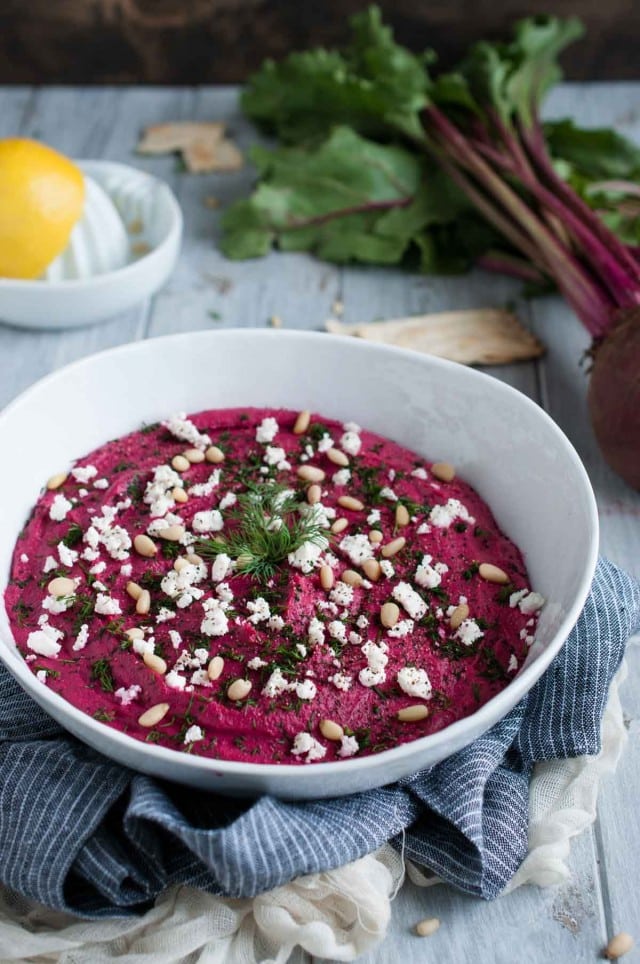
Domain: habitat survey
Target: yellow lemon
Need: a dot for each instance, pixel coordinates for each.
(41, 199)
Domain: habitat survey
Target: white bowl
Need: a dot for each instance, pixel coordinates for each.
(501, 442)
(138, 197)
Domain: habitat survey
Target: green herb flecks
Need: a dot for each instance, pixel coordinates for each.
(101, 673)
(73, 536)
(268, 528)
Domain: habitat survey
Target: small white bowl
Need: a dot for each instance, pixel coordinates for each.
(139, 197)
(500, 441)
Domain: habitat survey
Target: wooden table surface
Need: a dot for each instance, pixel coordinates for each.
(569, 923)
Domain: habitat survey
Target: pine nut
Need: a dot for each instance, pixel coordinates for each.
(180, 563)
(302, 422)
(155, 663)
(145, 546)
(143, 604)
(411, 714)
(618, 945)
(389, 615)
(443, 471)
(339, 525)
(458, 616)
(326, 577)
(153, 715)
(215, 667)
(310, 473)
(179, 463)
(214, 454)
(194, 456)
(375, 536)
(134, 590)
(402, 515)
(427, 927)
(194, 560)
(134, 633)
(172, 533)
(179, 495)
(314, 494)
(351, 577)
(57, 480)
(371, 569)
(393, 548)
(349, 502)
(338, 457)
(331, 730)
(491, 573)
(239, 689)
(61, 586)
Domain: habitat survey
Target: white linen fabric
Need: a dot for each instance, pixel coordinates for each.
(338, 915)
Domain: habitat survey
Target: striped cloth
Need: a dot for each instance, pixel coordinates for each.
(79, 833)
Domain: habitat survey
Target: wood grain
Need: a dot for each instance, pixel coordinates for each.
(222, 41)
(565, 925)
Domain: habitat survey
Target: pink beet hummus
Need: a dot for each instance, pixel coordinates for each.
(303, 593)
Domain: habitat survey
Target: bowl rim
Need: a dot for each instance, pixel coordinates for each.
(119, 275)
(289, 773)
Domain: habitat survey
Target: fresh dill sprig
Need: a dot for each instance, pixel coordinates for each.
(101, 673)
(268, 527)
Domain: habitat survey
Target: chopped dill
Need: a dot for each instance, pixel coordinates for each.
(268, 528)
(73, 536)
(101, 673)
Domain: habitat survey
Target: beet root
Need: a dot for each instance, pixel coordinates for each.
(614, 397)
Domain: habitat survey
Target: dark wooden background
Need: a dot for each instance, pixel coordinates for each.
(205, 41)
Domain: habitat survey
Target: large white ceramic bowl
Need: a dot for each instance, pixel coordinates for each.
(64, 300)
(500, 441)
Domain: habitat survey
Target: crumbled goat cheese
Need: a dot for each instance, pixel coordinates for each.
(209, 520)
(306, 745)
(107, 605)
(59, 508)
(468, 632)
(66, 555)
(142, 646)
(306, 690)
(41, 676)
(257, 663)
(206, 488)
(101, 484)
(157, 493)
(183, 428)
(424, 528)
(429, 576)
(410, 600)
(49, 564)
(388, 494)
(513, 664)
(386, 568)
(175, 681)
(337, 631)
(373, 517)
(357, 548)
(374, 673)
(531, 603)
(274, 454)
(351, 443)
(57, 605)
(355, 638)
(341, 594)
(224, 593)
(221, 567)
(200, 678)
(114, 538)
(227, 501)
(128, 695)
(193, 734)
(349, 746)
(443, 515)
(319, 514)
(24, 557)
(84, 473)
(82, 638)
(215, 622)
(414, 682)
(164, 615)
(362, 621)
(515, 597)
(44, 641)
(306, 557)
(315, 632)
(260, 609)
(275, 685)
(341, 477)
(176, 638)
(401, 629)
(276, 623)
(420, 473)
(96, 569)
(341, 682)
(267, 430)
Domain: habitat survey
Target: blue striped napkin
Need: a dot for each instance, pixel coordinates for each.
(82, 834)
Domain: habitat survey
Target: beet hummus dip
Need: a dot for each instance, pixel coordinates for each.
(268, 586)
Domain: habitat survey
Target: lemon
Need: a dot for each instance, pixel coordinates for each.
(41, 199)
